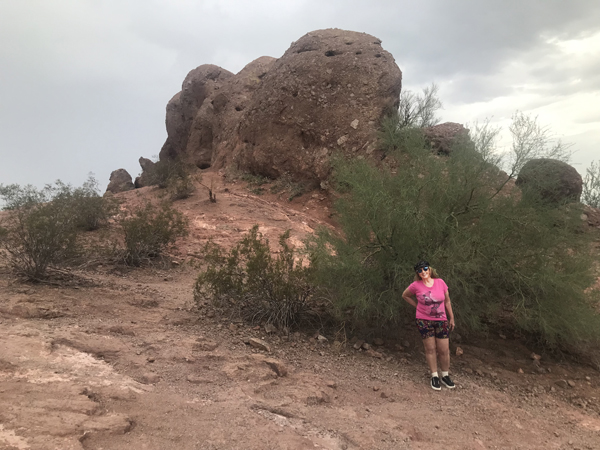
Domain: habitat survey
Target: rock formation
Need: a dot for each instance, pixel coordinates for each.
(120, 181)
(326, 94)
(147, 166)
(553, 180)
(443, 136)
(200, 84)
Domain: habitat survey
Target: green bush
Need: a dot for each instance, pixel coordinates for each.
(264, 288)
(181, 188)
(38, 236)
(90, 209)
(42, 226)
(591, 186)
(164, 172)
(505, 257)
(174, 175)
(150, 230)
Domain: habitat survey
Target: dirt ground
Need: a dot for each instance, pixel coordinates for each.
(125, 359)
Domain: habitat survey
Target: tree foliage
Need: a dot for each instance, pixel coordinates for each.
(504, 256)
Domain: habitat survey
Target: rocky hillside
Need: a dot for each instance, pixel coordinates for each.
(124, 358)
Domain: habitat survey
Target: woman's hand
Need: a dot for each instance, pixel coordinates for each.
(451, 323)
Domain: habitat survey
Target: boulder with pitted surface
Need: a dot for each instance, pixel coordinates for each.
(552, 180)
(325, 95)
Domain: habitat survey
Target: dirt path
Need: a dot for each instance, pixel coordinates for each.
(129, 362)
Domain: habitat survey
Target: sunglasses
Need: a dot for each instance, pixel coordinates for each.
(424, 269)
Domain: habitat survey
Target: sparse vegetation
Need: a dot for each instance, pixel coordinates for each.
(591, 186)
(42, 226)
(506, 258)
(181, 187)
(173, 175)
(150, 230)
(164, 172)
(419, 110)
(286, 184)
(262, 287)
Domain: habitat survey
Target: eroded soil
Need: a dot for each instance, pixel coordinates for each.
(126, 360)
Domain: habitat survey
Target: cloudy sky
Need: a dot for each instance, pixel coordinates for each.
(84, 83)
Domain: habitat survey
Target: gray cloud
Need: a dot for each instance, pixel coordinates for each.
(84, 84)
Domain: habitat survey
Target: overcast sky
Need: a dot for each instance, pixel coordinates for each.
(84, 83)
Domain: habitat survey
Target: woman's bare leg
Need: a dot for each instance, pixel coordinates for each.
(430, 353)
(443, 353)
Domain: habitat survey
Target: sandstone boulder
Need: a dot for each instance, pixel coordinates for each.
(214, 133)
(147, 166)
(445, 135)
(199, 84)
(550, 179)
(120, 181)
(327, 93)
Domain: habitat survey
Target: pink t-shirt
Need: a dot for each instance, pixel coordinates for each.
(430, 300)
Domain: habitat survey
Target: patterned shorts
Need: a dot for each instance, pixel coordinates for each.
(430, 328)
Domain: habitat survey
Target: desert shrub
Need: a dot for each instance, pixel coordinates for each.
(90, 209)
(286, 184)
(590, 194)
(264, 288)
(149, 230)
(15, 196)
(505, 257)
(38, 236)
(42, 225)
(181, 187)
(164, 172)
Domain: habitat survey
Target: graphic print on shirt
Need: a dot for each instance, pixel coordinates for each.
(434, 311)
(429, 301)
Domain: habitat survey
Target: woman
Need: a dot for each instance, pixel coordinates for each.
(435, 319)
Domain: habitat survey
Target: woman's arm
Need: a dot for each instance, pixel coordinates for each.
(408, 296)
(449, 312)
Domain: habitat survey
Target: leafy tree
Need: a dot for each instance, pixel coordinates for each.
(505, 257)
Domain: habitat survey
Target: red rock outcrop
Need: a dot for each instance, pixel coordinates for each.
(120, 181)
(147, 166)
(326, 94)
(443, 136)
(200, 84)
(551, 179)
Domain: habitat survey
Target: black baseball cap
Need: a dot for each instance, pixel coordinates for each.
(420, 265)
